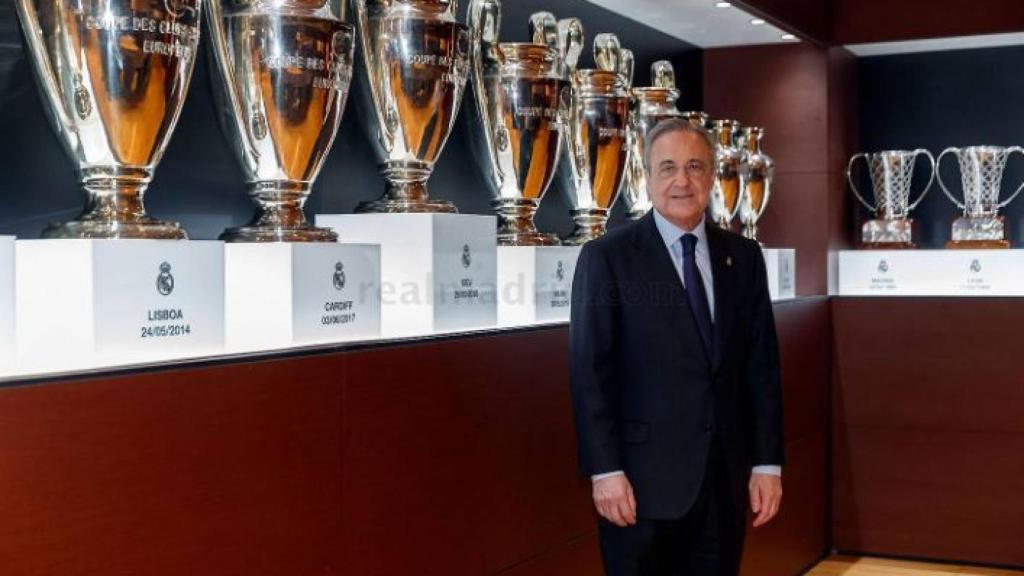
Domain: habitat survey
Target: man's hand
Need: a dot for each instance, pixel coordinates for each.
(765, 497)
(613, 497)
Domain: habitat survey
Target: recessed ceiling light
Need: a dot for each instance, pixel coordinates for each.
(757, 21)
(788, 37)
(723, 4)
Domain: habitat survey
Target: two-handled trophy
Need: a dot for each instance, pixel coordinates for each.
(597, 137)
(416, 58)
(652, 104)
(113, 75)
(891, 174)
(520, 88)
(981, 173)
(756, 175)
(726, 191)
(285, 69)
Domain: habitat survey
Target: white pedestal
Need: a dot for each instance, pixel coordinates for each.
(931, 273)
(781, 264)
(279, 295)
(6, 303)
(438, 271)
(535, 284)
(91, 303)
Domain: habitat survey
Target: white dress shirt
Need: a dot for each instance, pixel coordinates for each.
(672, 235)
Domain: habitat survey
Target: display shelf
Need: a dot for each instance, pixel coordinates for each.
(975, 273)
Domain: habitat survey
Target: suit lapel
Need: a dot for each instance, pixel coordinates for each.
(723, 272)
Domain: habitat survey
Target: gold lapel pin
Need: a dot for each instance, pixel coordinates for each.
(728, 260)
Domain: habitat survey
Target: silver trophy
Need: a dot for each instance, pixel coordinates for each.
(756, 175)
(416, 59)
(113, 74)
(597, 138)
(519, 89)
(285, 69)
(725, 194)
(981, 170)
(891, 175)
(697, 118)
(652, 104)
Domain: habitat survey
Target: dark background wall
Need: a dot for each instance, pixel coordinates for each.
(940, 99)
(199, 182)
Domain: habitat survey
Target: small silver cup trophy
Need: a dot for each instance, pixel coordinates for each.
(285, 69)
(697, 118)
(756, 175)
(981, 173)
(725, 193)
(891, 174)
(652, 104)
(416, 58)
(597, 137)
(113, 75)
(520, 92)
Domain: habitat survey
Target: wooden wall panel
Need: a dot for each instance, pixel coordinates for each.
(928, 428)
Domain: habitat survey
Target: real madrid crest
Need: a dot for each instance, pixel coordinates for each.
(883, 266)
(560, 271)
(339, 276)
(165, 282)
(975, 265)
(467, 258)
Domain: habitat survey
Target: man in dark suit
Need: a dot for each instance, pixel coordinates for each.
(675, 376)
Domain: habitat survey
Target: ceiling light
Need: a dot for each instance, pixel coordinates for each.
(757, 21)
(723, 4)
(788, 37)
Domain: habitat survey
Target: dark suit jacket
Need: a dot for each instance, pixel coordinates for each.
(647, 396)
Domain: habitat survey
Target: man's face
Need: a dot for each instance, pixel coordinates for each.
(680, 177)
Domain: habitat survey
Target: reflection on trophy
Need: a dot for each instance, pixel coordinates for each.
(891, 175)
(756, 175)
(725, 194)
(596, 138)
(285, 74)
(417, 62)
(697, 118)
(114, 75)
(517, 136)
(652, 105)
(981, 173)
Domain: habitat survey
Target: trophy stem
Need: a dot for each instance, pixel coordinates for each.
(280, 217)
(515, 224)
(636, 214)
(590, 224)
(750, 230)
(406, 191)
(115, 209)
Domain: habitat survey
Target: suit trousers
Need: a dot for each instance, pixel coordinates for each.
(705, 542)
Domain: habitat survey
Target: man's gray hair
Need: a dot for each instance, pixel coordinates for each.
(670, 125)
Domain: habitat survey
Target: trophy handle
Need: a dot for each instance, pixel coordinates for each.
(1011, 150)
(608, 52)
(931, 160)
(769, 178)
(938, 174)
(570, 44)
(484, 24)
(626, 66)
(853, 187)
(663, 74)
(544, 29)
(41, 62)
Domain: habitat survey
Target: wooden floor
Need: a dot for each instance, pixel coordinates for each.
(855, 566)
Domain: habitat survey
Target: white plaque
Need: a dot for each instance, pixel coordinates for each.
(84, 303)
(535, 283)
(6, 302)
(280, 294)
(781, 264)
(438, 271)
(931, 273)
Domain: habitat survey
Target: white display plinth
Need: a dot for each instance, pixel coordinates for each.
(6, 303)
(781, 264)
(931, 273)
(279, 295)
(90, 303)
(535, 284)
(438, 271)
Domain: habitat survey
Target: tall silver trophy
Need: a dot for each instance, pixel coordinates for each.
(756, 175)
(981, 170)
(597, 138)
(416, 58)
(520, 88)
(113, 74)
(891, 174)
(285, 67)
(652, 104)
(725, 194)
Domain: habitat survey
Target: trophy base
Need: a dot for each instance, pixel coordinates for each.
(306, 233)
(400, 206)
(888, 234)
(515, 224)
(590, 225)
(979, 232)
(528, 239)
(144, 228)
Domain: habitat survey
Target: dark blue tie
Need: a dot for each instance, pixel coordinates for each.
(695, 292)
